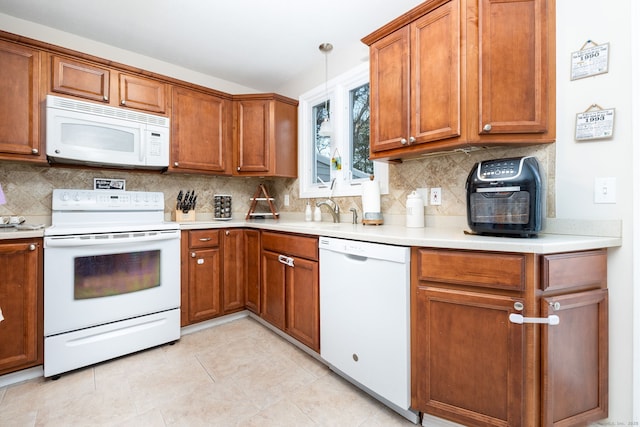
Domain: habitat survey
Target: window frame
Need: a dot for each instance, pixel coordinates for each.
(338, 89)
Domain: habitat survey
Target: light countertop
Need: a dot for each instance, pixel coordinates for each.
(449, 236)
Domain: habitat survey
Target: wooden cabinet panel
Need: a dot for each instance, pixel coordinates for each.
(21, 331)
(303, 309)
(266, 135)
(205, 279)
(485, 269)
(252, 270)
(234, 270)
(476, 72)
(20, 137)
(291, 244)
(81, 79)
(467, 358)
(200, 132)
(204, 238)
(575, 359)
(142, 93)
(574, 270)
(389, 88)
(514, 67)
(272, 307)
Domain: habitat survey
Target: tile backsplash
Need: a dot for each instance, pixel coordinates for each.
(28, 188)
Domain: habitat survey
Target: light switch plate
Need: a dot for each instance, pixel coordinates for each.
(604, 190)
(435, 196)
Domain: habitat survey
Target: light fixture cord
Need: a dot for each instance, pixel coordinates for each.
(326, 83)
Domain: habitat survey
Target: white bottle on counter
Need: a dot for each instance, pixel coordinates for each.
(317, 214)
(308, 215)
(415, 210)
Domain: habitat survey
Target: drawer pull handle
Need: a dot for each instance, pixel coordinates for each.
(520, 319)
(205, 239)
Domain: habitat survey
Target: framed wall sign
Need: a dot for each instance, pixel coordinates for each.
(109, 184)
(595, 123)
(590, 61)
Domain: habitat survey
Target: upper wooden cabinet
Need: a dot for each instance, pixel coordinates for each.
(103, 84)
(457, 73)
(265, 136)
(20, 133)
(200, 132)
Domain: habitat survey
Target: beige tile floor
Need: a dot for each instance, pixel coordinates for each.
(235, 374)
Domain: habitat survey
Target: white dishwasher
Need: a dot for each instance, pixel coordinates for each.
(364, 317)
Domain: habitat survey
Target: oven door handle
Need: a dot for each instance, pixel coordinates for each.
(101, 240)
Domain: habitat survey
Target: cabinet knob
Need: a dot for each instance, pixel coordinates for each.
(554, 305)
(487, 128)
(226, 233)
(32, 247)
(193, 254)
(403, 141)
(123, 102)
(106, 98)
(411, 140)
(238, 169)
(518, 306)
(34, 151)
(175, 164)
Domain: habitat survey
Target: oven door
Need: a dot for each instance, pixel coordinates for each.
(93, 279)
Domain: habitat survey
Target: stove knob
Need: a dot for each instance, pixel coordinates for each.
(65, 196)
(77, 197)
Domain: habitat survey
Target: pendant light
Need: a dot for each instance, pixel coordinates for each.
(325, 126)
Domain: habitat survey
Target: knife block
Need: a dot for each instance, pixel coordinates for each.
(185, 217)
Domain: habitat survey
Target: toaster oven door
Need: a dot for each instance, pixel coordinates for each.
(502, 206)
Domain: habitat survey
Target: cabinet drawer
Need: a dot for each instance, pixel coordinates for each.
(486, 269)
(291, 244)
(204, 238)
(574, 270)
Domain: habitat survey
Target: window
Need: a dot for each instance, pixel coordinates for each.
(342, 156)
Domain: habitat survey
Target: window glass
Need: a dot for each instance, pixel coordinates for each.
(322, 145)
(361, 166)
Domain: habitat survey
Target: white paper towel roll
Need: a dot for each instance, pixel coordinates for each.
(371, 196)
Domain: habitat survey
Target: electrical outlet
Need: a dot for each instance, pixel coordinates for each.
(286, 200)
(435, 196)
(604, 190)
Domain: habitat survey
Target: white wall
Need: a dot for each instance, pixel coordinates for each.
(579, 163)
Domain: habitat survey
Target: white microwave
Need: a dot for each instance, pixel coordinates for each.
(91, 134)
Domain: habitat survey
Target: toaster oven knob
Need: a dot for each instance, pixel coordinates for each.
(487, 128)
(403, 141)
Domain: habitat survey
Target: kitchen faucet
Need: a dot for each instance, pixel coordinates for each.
(334, 209)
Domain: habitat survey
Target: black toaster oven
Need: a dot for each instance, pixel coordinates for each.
(504, 197)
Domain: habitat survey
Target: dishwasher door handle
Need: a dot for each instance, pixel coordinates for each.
(286, 260)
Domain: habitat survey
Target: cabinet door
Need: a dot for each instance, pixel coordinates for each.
(273, 289)
(575, 359)
(234, 269)
(466, 357)
(252, 137)
(389, 89)
(142, 93)
(205, 278)
(514, 69)
(19, 106)
(435, 75)
(303, 302)
(79, 79)
(200, 132)
(21, 305)
(252, 270)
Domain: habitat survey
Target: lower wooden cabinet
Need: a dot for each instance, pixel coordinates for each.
(474, 363)
(213, 273)
(21, 302)
(252, 247)
(290, 297)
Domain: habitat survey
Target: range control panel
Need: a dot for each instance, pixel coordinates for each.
(106, 200)
(500, 169)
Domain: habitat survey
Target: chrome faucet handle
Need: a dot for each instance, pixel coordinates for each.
(354, 216)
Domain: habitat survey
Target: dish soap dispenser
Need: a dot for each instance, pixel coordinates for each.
(308, 215)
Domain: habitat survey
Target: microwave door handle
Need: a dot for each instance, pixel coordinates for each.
(143, 144)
